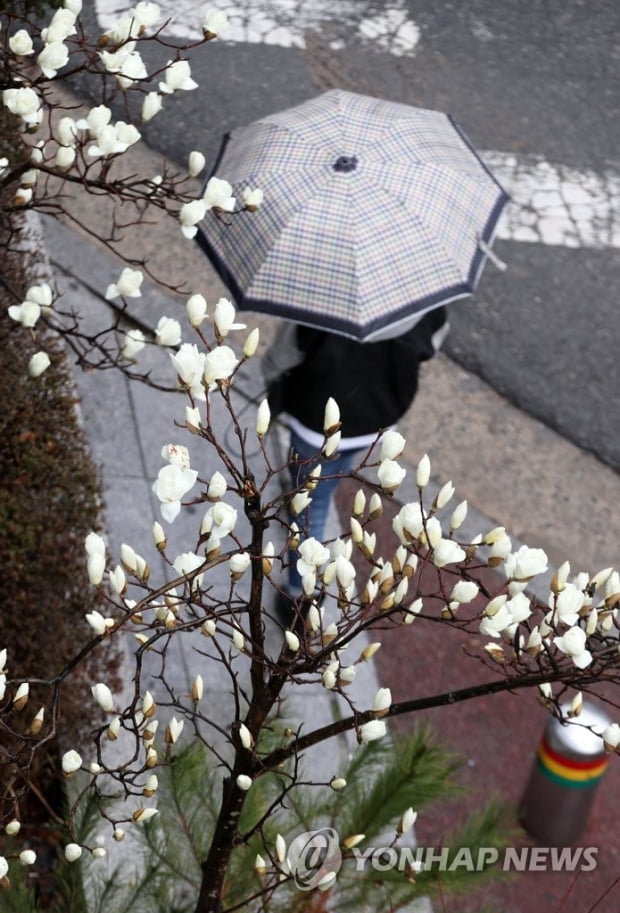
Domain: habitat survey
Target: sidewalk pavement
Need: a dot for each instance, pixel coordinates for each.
(512, 470)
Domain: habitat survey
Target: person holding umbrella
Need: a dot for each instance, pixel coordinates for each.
(375, 215)
(373, 384)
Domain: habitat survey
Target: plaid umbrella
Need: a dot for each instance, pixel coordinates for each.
(374, 212)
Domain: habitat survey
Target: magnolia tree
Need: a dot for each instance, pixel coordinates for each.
(353, 588)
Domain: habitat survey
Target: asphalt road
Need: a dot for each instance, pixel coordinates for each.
(539, 80)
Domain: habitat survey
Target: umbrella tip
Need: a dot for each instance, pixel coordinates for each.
(345, 163)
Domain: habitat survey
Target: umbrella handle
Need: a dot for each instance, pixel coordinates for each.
(486, 250)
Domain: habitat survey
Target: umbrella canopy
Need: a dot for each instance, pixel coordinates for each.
(374, 212)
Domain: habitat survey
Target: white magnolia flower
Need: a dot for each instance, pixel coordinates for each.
(408, 524)
(151, 106)
(96, 119)
(497, 617)
(73, 851)
(127, 285)
(96, 621)
(567, 605)
(178, 76)
(168, 332)
(214, 23)
(224, 317)
(196, 307)
(53, 57)
(27, 857)
(118, 581)
(392, 445)
(382, 701)
(21, 43)
(195, 163)
(71, 761)
(27, 313)
(218, 195)
(345, 572)
(171, 484)
(371, 731)
(446, 551)
(41, 295)
(75, 6)
(190, 215)
(189, 364)
(25, 103)
(611, 736)
(313, 554)
(573, 643)
(62, 25)
(390, 474)
(39, 363)
(64, 158)
(107, 143)
(464, 591)
(252, 198)
(95, 568)
(300, 501)
(187, 563)
(526, 563)
(134, 343)
(67, 131)
(177, 454)
(127, 134)
(219, 364)
(216, 488)
(223, 519)
(239, 563)
(244, 782)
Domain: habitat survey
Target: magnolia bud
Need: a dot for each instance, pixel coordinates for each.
(375, 507)
(37, 722)
(263, 418)
(70, 762)
(159, 536)
(353, 840)
(423, 472)
(21, 696)
(292, 641)
(251, 343)
(245, 737)
(197, 688)
(337, 783)
(143, 814)
(73, 851)
(407, 821)
(331, 421)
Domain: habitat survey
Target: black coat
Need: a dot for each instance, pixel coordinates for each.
(374, 383)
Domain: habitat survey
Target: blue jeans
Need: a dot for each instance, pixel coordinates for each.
(312, 521)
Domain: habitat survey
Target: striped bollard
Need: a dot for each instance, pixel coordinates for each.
(570, 763)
